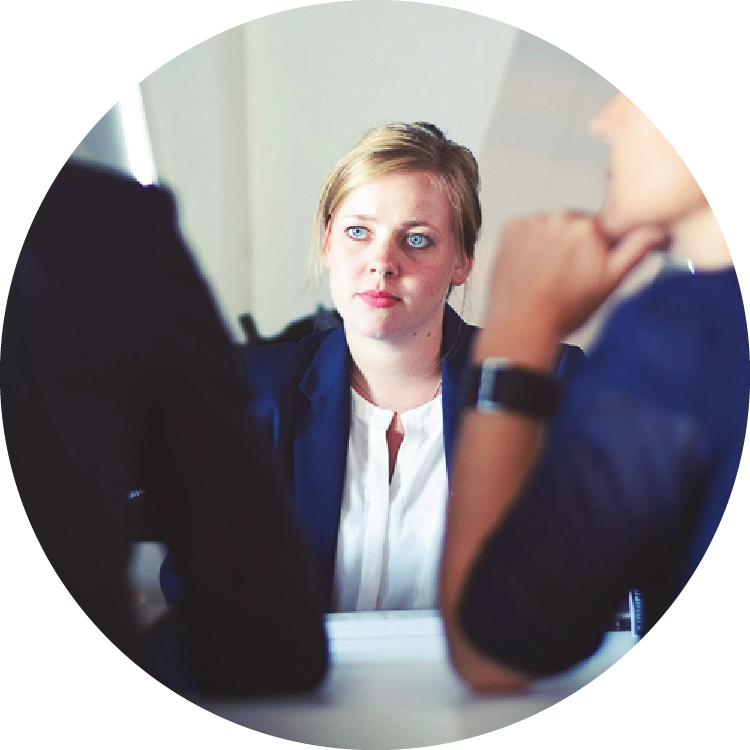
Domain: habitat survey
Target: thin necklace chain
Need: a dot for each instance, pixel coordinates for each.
(360, 385)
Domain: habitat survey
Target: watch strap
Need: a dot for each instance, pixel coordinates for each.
(499, 385)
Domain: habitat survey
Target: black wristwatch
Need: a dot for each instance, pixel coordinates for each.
(499, 385)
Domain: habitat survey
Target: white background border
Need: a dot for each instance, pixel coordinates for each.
(64, 64)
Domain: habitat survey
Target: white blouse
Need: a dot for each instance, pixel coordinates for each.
(391, 533)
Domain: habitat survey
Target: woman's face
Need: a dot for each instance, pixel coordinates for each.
(391, 256)
(648, 183)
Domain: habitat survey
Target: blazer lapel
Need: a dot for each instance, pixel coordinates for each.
(320, 450)
(457, 338)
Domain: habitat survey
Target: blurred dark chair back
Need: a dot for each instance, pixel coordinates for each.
(321, 320)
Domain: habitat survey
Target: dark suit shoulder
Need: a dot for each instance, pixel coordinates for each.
(86, 202)
(77, 180)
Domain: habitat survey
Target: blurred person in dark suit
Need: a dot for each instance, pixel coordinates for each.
(558, 509)
(117, 373)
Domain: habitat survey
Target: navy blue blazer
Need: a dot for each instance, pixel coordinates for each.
(300, 397)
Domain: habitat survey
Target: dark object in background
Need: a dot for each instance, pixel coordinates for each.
(321, 320)
(118, 373)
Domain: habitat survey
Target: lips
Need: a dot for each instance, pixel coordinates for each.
(378, 298)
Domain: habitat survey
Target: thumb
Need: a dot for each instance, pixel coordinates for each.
(630, 250)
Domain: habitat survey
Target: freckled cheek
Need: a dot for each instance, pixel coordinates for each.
(436, 287)
(431, 291)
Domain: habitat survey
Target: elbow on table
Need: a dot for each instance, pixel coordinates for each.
(480, 672)
(490, 678)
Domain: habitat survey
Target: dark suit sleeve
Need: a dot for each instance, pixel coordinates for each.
(118, 373)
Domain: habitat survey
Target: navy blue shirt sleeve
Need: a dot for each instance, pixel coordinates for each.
(593, 521)
(644, 448)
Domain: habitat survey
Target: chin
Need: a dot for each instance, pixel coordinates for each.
(610, 224)
(378, 331)
(614, 225)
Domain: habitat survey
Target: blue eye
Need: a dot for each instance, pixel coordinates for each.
(356, 233)
(418, 240)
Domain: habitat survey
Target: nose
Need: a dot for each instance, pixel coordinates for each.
(383, 260)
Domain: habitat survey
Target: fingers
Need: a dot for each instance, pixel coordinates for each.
(630, 250)
(557, 269)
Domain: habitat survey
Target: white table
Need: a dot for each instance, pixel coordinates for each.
(391, 686)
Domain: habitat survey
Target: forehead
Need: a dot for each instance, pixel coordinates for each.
(402, 197)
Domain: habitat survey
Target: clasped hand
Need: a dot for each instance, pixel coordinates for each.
(554, 270)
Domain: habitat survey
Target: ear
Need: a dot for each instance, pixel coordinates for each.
(325, 247)
(461, 270)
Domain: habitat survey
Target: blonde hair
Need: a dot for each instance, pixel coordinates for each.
(397, 148)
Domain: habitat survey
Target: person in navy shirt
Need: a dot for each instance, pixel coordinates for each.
(557, 512)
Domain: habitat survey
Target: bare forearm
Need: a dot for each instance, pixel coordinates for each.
(495, 454)
(491, 464)
(496, 450)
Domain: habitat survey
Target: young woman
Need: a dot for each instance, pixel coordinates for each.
(625, 486)
(363, 417)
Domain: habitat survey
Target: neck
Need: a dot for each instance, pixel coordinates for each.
(699, 239)
(397, 376)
